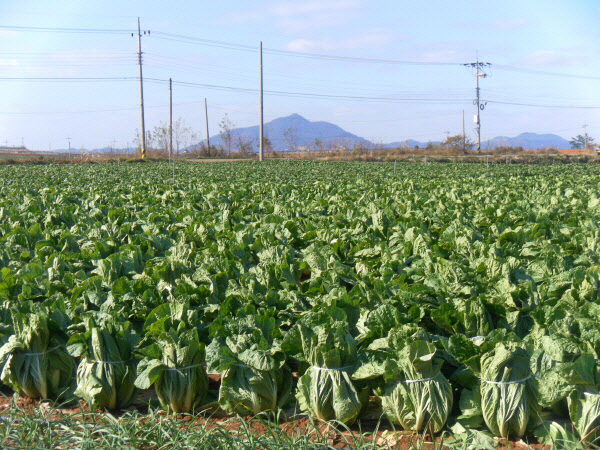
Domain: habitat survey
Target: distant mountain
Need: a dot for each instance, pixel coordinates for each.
(529, 141)
(115, 150)
(410, 143)
(301, 133)
(293, 131)
(95, 150)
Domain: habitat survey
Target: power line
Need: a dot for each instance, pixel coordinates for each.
(432, 100)
(248, 48)
(207, 42)
(358, 59)
(544, 72)
(67, 78)
(536, 105)
(314, 95)
(64, 30)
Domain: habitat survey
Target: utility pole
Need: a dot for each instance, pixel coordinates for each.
(463, 136)
(69, 139)
(170, 118)
(480, 106)
(207, 135)
(447, 135)
(143, 149)
(261, 154)
(585, 136)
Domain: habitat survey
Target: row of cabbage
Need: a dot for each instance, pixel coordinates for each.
(450, 294)
(499, 379)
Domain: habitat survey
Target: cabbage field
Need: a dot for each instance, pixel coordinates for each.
(455, 298)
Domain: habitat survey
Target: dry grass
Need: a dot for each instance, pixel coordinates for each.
(434, 153)
(445, 155)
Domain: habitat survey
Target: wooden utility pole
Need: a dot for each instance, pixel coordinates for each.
(143, 149)
(261, 154)
(207, 135)
(170, 118)
(464, 137)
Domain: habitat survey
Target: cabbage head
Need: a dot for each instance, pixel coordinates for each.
(561, 366)
(509, 392)
(174, 365)
(416, 395)
(326, 390)
(106, 374)
(34, 361)
(254, 377)
(584, 410)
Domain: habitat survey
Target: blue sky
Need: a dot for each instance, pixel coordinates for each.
(528, 43)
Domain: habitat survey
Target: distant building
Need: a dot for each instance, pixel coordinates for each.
(13, 149)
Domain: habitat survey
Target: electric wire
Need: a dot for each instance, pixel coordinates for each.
(544, 72)
(244, 47)
(65, 30)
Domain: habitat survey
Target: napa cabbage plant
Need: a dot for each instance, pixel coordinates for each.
(416, 395)
(509, 391)
(34, 360)
(254, 376)
(584, 410)
(174, 365)
(469, 317)
(584, 398)
(107, 371)
(468, 355)
(326, 390)
(561, 366)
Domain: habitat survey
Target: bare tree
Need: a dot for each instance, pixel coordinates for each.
(182, 136)
(137, 139)
(226, 127)
(318, 145)
(244, 145)
(459, 143)
(291, 139)
(158, 137)
(267, 146)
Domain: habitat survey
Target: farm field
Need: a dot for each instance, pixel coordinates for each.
(454, 300)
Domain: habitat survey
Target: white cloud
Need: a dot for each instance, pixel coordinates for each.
(295, 8)
(293, 16)
(447, 52)
(510, 24)
(550, 58)
(373, 38)
(442, 55)
(8, 63)
(8, 34)
(241, 17)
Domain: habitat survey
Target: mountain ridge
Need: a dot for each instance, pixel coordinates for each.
(296, 131)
